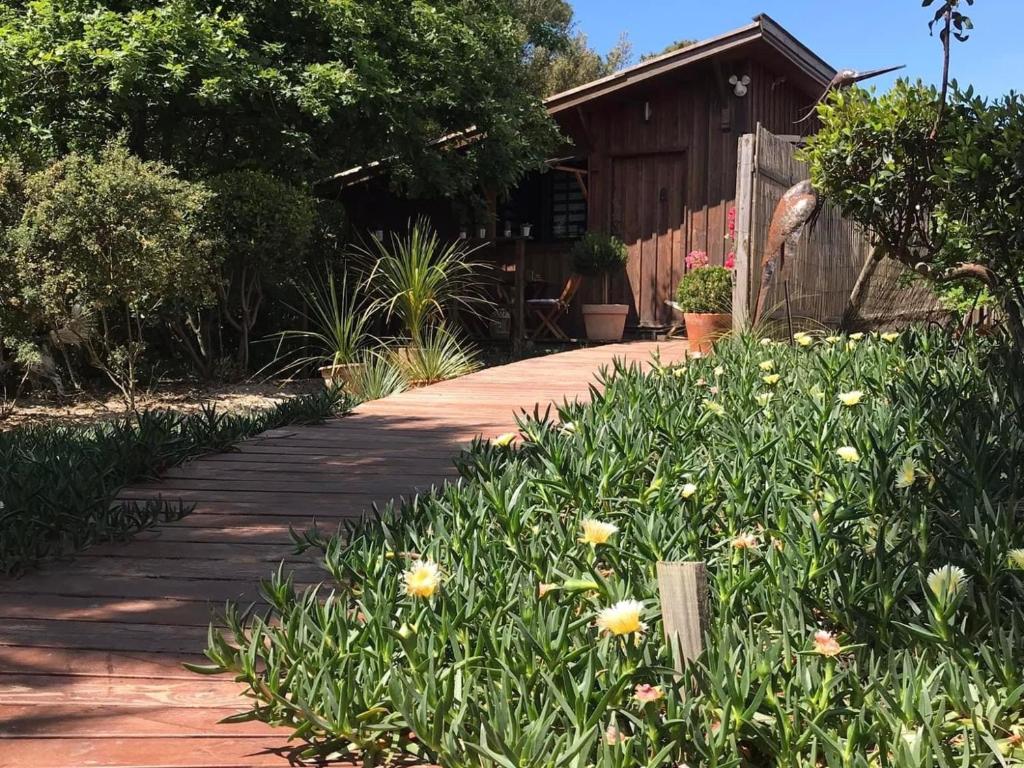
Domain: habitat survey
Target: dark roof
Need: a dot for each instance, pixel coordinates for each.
(763, 31)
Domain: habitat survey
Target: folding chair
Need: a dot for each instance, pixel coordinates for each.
(547, 312)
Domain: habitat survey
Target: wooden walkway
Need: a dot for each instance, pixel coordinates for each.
(91, 648)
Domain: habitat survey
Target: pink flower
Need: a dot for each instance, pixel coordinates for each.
(731, 219)
(613, 736)
(826, 644)
(646, 693)
(696, 260)
(730, 261)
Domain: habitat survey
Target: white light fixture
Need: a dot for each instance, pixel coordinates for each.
(739, 85)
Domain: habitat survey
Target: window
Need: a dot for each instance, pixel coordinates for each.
(568, 206)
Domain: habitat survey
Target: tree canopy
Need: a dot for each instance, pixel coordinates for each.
(299, 88)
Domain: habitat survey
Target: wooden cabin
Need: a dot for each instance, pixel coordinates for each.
(653, 160)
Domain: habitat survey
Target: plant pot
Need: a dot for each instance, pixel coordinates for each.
(704, 329)
(342, 374)
(605, 322)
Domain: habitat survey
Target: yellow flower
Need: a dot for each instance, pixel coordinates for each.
(848, 454)
(826, 644)
(907, 474)
(679, 372)
(851, 345)
(1015, 557)
(890, 336)
(715, 408)
(767, 365)
(766, 342)
(817, 393)
(803, 339)
(688, 490)
(851, 398)
(719, 370)
(764, 398)
(856, 336)
(596, 532)
(505, 440)
(833, 339)
(623, 618)
(422, 579)
(771, 379)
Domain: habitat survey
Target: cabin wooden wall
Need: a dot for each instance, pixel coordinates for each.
(700, 119)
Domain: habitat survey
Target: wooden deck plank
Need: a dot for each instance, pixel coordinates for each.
(91, 648)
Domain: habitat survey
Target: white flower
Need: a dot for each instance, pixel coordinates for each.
(851, 398)
(907, 474)
(719, 370)
(764, 398)
(1015, 557)
(947, 582)
(688, 490)
(848, 454)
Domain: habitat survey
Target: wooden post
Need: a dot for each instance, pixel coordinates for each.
(519, 324)
(743, 269)
(683, 588)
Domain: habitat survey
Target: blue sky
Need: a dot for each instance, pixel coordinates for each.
(860, 34)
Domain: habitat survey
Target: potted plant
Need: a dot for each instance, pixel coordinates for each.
(704, 297)
(337, 321)
(600, 255)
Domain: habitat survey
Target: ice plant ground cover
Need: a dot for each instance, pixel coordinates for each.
(865, 567)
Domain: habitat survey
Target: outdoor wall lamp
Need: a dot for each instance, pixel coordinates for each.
(739, 84)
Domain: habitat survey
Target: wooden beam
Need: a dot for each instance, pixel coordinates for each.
(744, 226)
(683, 589)
(519, 324)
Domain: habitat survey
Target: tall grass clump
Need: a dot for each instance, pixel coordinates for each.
(855, 499)
(59, 484)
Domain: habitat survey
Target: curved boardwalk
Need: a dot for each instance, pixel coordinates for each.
(91, 648)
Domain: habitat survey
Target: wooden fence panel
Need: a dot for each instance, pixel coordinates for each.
(822, 271)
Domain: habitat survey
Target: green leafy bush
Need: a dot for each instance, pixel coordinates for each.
(856, 502)
(705, 290)
(59, 484)
(103, 245)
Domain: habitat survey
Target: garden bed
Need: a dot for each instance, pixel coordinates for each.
(60, 483)
(855, 501)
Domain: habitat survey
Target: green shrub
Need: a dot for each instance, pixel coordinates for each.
(104, 243)
(59, 484)
(598, 254)
(264, 226)
(833, 505)
(705, 290)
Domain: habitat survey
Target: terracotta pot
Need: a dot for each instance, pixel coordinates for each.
(704, 329)
(605, 322)
(341, 375)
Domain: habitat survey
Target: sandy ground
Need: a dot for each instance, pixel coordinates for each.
(90, 408)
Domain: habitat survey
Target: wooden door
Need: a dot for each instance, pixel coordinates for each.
(648, 211)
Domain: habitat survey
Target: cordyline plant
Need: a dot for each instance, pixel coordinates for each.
(854, 499)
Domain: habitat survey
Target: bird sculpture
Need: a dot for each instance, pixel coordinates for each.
(845, 78)
(801, 203)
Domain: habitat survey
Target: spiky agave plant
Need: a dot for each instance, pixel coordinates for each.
(418, 279)
(337, 318)
(440, 354)
(377, 376)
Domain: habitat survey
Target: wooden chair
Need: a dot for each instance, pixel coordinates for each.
(547, 312)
